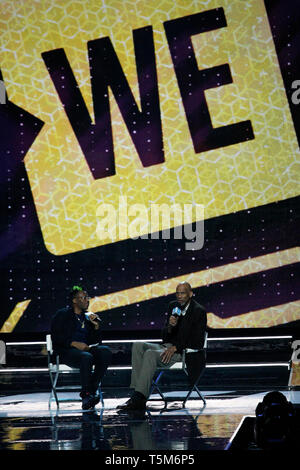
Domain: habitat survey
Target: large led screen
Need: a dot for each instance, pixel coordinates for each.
(144, 143)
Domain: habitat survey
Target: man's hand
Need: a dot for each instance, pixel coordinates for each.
(173, 320)
(80, 346)
(92, 318)
(167, 354)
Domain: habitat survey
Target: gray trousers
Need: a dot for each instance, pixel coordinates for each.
(145, 358)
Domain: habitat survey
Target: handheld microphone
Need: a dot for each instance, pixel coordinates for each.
(97, 318)
(176, 312)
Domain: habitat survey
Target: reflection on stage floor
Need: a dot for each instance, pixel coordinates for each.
(27, 424)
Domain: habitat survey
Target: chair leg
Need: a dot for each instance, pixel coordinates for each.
(160, 392)
(53, 384)
(53, 390)
(155, 386)
(200, 394)
(53, 393)
(194, 387)
(101, 395)
(187, 397)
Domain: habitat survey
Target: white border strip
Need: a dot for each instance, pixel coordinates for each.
(208, 366)
(249, 337)
(258, 364)
(25, 343)
(111, 341)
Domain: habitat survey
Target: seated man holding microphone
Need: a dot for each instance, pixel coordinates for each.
(185, 328)
(76, 337)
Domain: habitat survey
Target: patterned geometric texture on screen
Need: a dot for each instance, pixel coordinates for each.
(135, 104)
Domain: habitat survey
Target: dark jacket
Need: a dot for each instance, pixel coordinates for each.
(190, 329)
(63, 327)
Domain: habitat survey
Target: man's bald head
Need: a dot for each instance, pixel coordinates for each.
(184, 293)
(186, 284)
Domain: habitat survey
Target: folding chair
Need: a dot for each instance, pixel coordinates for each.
(193, 365)
(55, 369)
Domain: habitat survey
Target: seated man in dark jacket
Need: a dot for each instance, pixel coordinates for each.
(185, 329)
(73, 330)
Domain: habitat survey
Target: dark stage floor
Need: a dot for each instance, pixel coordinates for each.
(26, 423)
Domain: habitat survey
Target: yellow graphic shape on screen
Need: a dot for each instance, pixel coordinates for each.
(197, 279)
(14, 317)
(224, 180)
(266, 317)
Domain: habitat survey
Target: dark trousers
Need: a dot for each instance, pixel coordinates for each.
(98, 356)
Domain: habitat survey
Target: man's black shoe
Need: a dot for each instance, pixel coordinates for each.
(88, 400)
(121, 407)
(135, 404)
(96, 398)
(133, 414)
